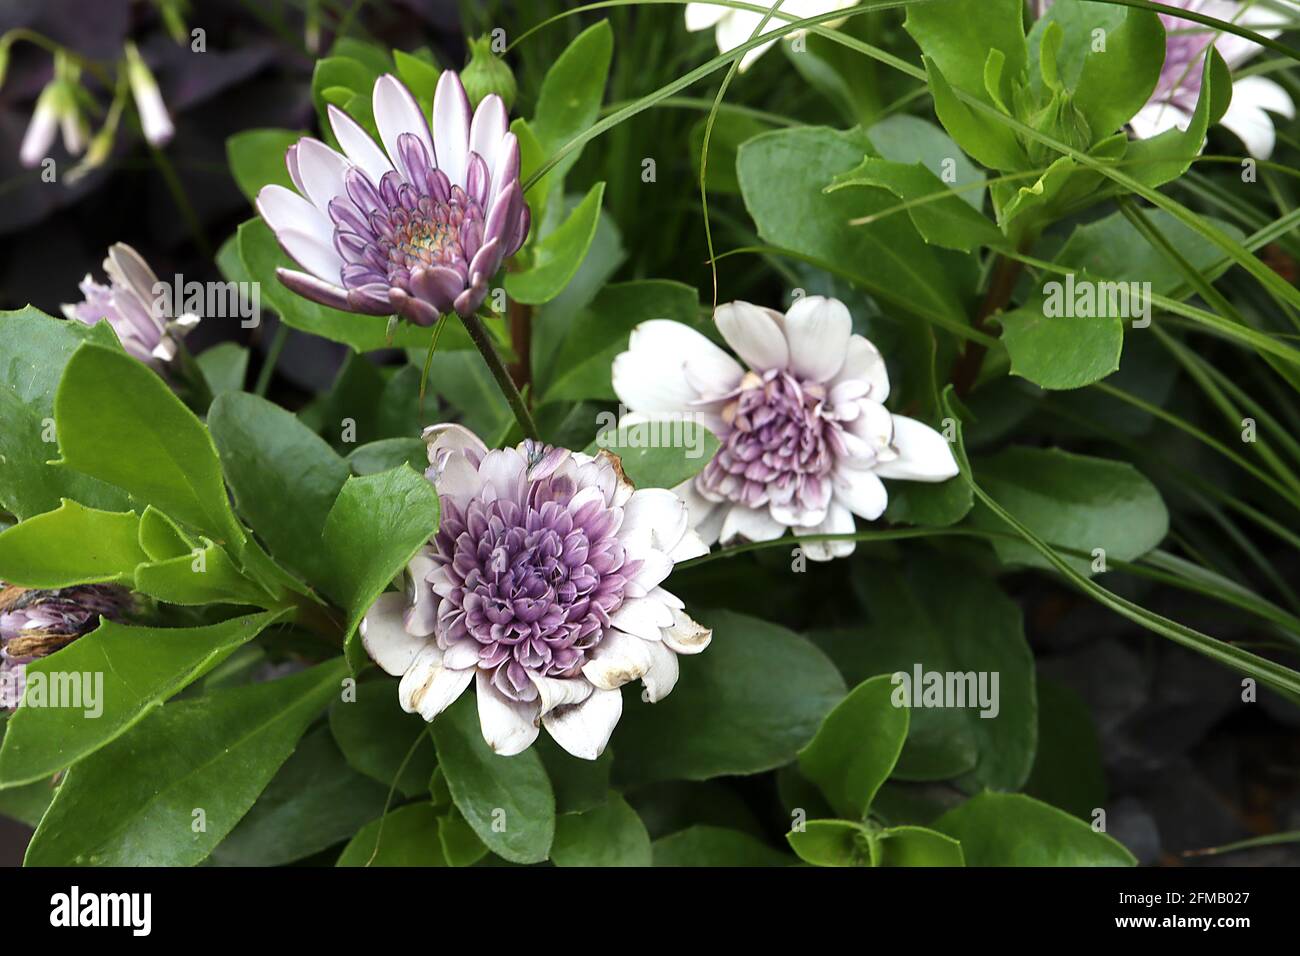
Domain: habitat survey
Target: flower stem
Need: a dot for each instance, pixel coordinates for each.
(483, 342)
(1002, 284)
(272, 357)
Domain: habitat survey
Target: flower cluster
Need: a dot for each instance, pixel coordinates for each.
(544, 586)
(805, 433)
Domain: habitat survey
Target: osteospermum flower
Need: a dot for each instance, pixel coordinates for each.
(543, 585)
(36, 623)
(418, 227)
(1179, 88)
(133, 306)
(733, 27)
(805, 434)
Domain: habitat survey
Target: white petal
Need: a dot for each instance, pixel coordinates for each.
(667, 345)
(923, 454)
(690, 546)
(1246, 116)
(555, 692)
(422, 604)
(504, 469)
(451, 119)
(644, 617)
(839, 520)
(509, 726)
(461, 655)
(701, 16)
(383, 634)
(661, 678)
(655, 566)
(747, 60)
(750, 524)
(321, 170)
(584, 729)
(397, 112)
(316, 255)
(430, 688)
(617, 659)
(358, 145)
(687, 636)
(488, 129)
(754, 333)
(863, 362)
(1154, 118)
(860, 491)
(817, 330)
(656, 513)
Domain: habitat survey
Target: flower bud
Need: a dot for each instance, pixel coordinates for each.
(154, 120)
(487, 73)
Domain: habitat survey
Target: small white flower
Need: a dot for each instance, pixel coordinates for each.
(154, 119)
(544, 587)
(733, 27)
(56, 109)
(805, 434)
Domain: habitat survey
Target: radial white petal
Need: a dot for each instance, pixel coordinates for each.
(321, 170)
(644, 617)
(282, 208)
(862, 492)
(397, 112)
(661, 678)
(584, 729)
(687, 636)
(817, 330)
(617, 659)
(923, 453)
(754, 333)
(490, 124)
(451, 119)
(314, 254)
(383, 634)
(701, 16)
(509, 726)
(839, 520)
(357, 144)
(555, 692)
(863, 362)
(750, 524)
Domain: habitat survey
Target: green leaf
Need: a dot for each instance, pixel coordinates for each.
(225, 366)
(957, 36)
(572, 90)
(833, 843)
(1117, 82)
(579, 784)
(658, 454)
(205, 575)
(988, 142)
(910, 139)
(609, 835)
(1011, 829)
(975, 629)
(600, 332)
(747, 704)
(532, 156)
(73, 545)
(408, 836)
(387, 453)
(1068, 770)
(460, 844)
(1165, 157)
(556, 257)
(886, 257)
(133, 669)
(262, 255)
(256, 158)
(314, 802)
(1061, 352)
(918, 846)
(715, 846)
(213, 754)
(1075, 501)
(374, 529)
(420, 77)
(34, 350)
(284, 478)
(856, 747)
(507, 800)
(119, 422)
(937, 212)
(375, 735)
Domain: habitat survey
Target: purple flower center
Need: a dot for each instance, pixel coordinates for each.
(416, 232)
(779, 448)
(532, 582)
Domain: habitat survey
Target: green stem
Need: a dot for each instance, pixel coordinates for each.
(483, 342)
(182, 201)
(272, 357)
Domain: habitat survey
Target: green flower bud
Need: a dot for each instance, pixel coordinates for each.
(487, 73)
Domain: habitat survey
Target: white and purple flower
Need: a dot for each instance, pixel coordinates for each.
(733, 27)
(134, 306)
(418, 227)
(806, 438)
(543, 586)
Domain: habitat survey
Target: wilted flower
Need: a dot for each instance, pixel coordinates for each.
(154, 119)
(138, 314)
(733, 27)
(35, 624)
(543, 585)
(805, 435)
(1253, 97)
(56, 110)
(418, 227)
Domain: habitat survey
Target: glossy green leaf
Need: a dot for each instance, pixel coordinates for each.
(918, 846)
(129, 671)
(213, 754)
(408, 836)
(957, 36)
(833, 843)
(1011, 829)
(658, 455)
(206, 575)
(557, 257)
(257, 158)
(119, 422)
(376, 735)
(376, 456)
(225, 367)
(748, 703)
(572, 90)
(716, 846)
(1061, 352)
(608, 835)
(72, 545)
(856, 747)
(507, 800)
